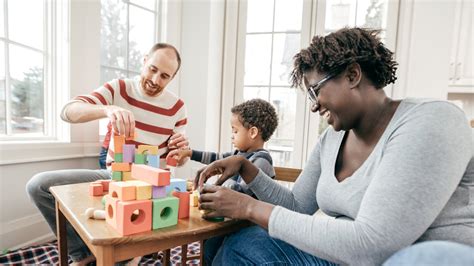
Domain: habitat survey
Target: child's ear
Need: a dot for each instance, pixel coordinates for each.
(253, 131)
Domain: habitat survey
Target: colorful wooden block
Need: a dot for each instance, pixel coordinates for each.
(127, 176)
(147, 149)
(143, 189)
(105, 184)
(121, 167)
(140, 158)
(158, 192)
(96, 189)
(118, 143)
(151, 175)
(122, 190)
(128, 153)
(194, 201)
(176, 184)
(110, 210)
(165, 212)
(118, 157)
(153, 160)
(172, 162)
(183, 211)
(117, 176)
(132, 217)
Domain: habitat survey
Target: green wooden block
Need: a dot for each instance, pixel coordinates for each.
(103, 201)
(140, 158)
(118, 157)
(215, 219)
(165, 212)
(117, 176)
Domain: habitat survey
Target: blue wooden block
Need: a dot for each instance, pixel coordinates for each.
(177, 184)
(153, 160)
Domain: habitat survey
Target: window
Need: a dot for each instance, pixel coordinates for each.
(128, 31)
(28, 51)
(275, 31)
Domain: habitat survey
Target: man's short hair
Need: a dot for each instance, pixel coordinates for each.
(162, 45)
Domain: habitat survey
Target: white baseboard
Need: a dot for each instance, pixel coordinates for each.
(24, 232)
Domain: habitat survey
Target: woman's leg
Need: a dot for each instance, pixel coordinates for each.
(253, 246)
(38, 191)
(433, 253)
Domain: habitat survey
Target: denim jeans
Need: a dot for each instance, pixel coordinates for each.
(433, 253)
(254, 246)
(38, 191)
(103, 157)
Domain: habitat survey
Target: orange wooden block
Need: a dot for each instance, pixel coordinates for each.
(96, 189)
(151, 175)
(118, 143)
(121, 167)
(131, 217)
(104, 183)
(127, 176)
(122, 190)
(183, 197)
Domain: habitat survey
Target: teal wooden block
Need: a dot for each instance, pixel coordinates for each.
(165, 212)
(140, 158)
(118, 157)
(117, 176)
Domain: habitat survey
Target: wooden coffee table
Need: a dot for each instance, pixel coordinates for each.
(108, 246)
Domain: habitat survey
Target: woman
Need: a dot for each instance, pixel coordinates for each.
(388, 173)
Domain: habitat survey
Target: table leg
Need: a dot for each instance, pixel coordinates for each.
(201, 253)
(61, 235)
(105, 256)
(184, 254)
(166, 257)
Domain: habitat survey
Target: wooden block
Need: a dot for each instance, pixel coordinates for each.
(105, 184)
(158, 192)
(118, 144)
(165, 212)
(183, 211)
(121, 167)
(140, 158)
(96, 189)
(118, 157)
(122, 190)
(111, 210)
(128, 153)
(143, 189)
(171, 162)
(132, 217)
(151, 175)
(147, 149)
(153, 160)
(116, 176)
(176, 184)
(194, 201)
(127, 176)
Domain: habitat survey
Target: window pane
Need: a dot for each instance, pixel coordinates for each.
(285, 46)
(288, 15)
(256, 92)
(340, 13)
(259, 15)
(372, 14)
(2, 18)
(25, 22)
(257, 72)
(142, 35)
(27, 103)
(150, 4)
(108, 74)
(281, 144)
(113, 33)
(362, 13)
(2, 89)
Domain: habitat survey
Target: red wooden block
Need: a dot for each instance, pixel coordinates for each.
(183, 197)
(96, 189)
(172, 162)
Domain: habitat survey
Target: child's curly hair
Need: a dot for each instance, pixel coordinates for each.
(257, 113)
(331, 54)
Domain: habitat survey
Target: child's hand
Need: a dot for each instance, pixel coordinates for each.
(179, 155)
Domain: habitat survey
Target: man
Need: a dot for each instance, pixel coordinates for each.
(139, 108)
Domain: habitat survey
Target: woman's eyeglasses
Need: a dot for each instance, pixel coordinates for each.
(313, 91)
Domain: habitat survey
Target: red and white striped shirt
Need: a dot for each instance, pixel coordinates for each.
(156, 118)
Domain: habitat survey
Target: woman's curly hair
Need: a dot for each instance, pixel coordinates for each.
(257, 113)
(331, 54)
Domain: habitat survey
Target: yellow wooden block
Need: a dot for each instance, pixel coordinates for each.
(149, 149)
(143, 189)
(194, 199)
(127, 176)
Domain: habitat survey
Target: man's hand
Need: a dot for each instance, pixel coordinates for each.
(122, 120)
(178, 141)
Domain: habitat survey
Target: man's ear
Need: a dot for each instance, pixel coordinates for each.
(354, 74)
(144, 59)
(253, 131)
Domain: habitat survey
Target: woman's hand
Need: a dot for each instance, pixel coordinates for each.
(122, 120)
(220, 201)
(227, 168)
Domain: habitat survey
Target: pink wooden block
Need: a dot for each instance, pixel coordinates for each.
(122, 190)
(151, 175)
(96, 189)
(134, 216)
(111, 210)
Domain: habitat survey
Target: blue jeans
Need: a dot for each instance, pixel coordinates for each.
(38, 191)
(433, 253)
(254, 246)
(103, 157)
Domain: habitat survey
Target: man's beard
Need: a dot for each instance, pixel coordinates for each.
(150, 88)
